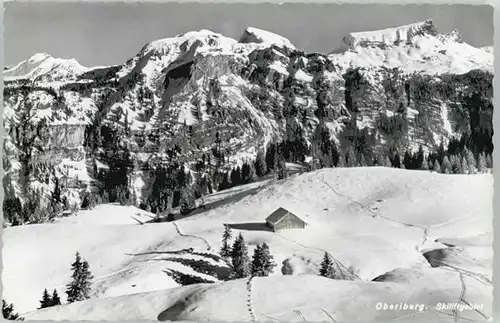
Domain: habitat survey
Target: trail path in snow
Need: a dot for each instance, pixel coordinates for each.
(249, 299)
(209, 247)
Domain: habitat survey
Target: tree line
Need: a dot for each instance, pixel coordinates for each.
(260, 265)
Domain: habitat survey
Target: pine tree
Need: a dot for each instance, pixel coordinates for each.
(436, 167)
(387, 162)
(46, 299)
(456, 165)
(420, 158)
(225, 250)
(351, 158)
(260, 164)
(465, 166)
(471, 161)
(252, 174)
(8, 312)
(280, 165)
(240, 260)
(55, 299)
(425, 164)
(481, 163)
(262, 261)
(326, 269)
(341, 162)
(362, 161)
(79, 288)
(268, 260)
(257, 266)
(446, 165)
(430, 164)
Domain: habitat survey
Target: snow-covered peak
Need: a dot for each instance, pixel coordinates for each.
(204, 36)
(44, 67)
(391, 36)
(259, 36)
(39, 57)
(159, 54)
(417, 47)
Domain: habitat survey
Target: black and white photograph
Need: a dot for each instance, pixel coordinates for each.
(247, 162)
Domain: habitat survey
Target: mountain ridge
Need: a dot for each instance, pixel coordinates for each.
(252, 35)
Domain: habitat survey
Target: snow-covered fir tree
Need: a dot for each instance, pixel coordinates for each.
(326, 267)
(79, 287)
(46, 299)
(240, 261)
(55, 300)
(225, 250)
(262, 261)
(9, 313)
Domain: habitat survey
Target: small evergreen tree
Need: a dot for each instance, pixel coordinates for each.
(268, 260)
(351, 158)
(341, 162)
(260, 164)
(225, 250)
(387, 162)
(430, 165)
(326, 269)
(46, 299)
(280, 165)
(465, 166)
(425, 164)
(471, 161)
(262, 262)
(436, 167)
(481, 163)
(257, 262)
(239, 258)
(55, 299)
(79, 288)
(8, 312)
(362, 161)
(252, 174)
(446, 165)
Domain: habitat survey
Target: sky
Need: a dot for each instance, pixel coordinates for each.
(98, 34)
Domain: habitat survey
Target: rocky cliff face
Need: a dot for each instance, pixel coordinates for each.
(210, 98)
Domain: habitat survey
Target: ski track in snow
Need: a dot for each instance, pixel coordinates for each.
(328, 314)
(426, 230)
(176, 225)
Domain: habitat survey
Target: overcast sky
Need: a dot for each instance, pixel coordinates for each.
(111, 33)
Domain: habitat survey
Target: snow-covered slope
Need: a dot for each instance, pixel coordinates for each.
(378, 223)
(45, 68)
(415, 47)
(286, 298)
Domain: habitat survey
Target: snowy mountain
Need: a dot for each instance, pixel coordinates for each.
(410, 237)
(211, 103)
(44, 68)
(415, 47)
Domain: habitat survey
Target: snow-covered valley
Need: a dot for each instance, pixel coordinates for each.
(410, 236)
